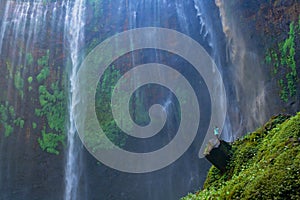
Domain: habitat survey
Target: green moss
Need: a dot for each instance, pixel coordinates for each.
(44, 60)
(19, 122)
(103, 111)
(53, 109)
(9, 69)
(265, 165)
(8, 119)
(283, 58)
(29, 79)
(29, 58)
(34, 125)
(19, 83)
(8, 129)
(43, 74)
(49, 142)
(53, 106)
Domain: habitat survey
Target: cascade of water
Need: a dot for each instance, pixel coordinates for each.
(4, 24)
(182, 18)
(252, 108)
(207, 28)
(74, 23)
(23, 29)
(209, 34)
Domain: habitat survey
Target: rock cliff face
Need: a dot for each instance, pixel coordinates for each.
(252, 30)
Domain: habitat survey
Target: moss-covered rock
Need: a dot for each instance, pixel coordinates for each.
(265, 165)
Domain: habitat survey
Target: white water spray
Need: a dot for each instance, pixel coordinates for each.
(74, 23)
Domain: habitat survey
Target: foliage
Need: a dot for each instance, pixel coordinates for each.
(49, 142)
(29, 79)
(53, 108)
(265, 165)
(43, 74)
(103, 109)
(29, 58)
(8, 119)
(6, 115)
(34, 125)
(19, 122)
(8, 129)
(283, 58)
(9, 69)
(19, 82)
(43, 62)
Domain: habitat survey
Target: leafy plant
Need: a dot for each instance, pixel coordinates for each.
(34, 125)
(19, 83)
(8, 119)
(44, 60)
(8, 129)
(29, 58)
(19, 122)
(49, 142)
(9, 69)
(43, 74)
(29, 79)
(53, 108)
(283, 58)
(103, 109)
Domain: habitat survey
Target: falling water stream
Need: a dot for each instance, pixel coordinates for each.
(74, 23)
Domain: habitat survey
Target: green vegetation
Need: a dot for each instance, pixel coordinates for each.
(53, 108)
(29, 58)
(49, 142)
(43, 62)
(103, 110)
(29, 79)
(8, 119)
(9, 69)
(8, 129)
(43, 74)
(34, 125)
(19, 122)
(265, 165)
(283, 58)
(19, 82)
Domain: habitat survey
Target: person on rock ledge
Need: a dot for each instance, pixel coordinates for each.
(216, 132)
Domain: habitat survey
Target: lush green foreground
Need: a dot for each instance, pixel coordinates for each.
(265, 165)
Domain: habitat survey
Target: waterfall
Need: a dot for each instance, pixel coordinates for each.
(4, 25)
(56, 35)
(23, 31)
(182, 18)
(74, 23)
(24, 28)
(251, 96)
(209, 33)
